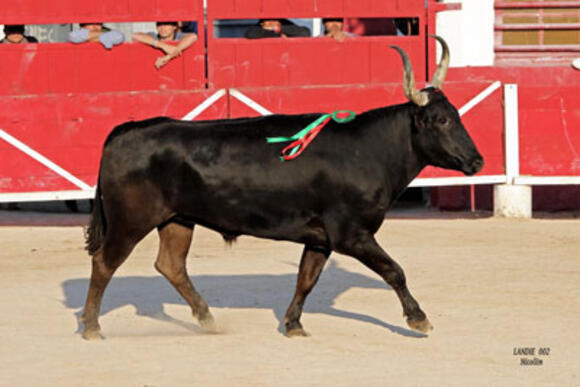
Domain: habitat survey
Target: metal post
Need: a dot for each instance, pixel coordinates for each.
(511, 200)
(512, 141)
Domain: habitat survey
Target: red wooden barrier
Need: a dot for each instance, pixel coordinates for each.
(308, 61)
(89, 68)
(62, 99)
(302, 61)
(549, 130)
(70, 130)
(549, 115)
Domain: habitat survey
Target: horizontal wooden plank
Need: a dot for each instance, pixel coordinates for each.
(252, 9)
(67, 68)
(307, 61)
(537, 26)
(73, 11)
(536, 4)
(537, 48)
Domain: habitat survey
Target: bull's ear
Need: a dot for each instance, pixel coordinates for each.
(418, 122)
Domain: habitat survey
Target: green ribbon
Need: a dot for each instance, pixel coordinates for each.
(351, 116)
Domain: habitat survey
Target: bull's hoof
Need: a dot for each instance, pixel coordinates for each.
(423, 326)
(208, 324)
(294, 328)
(92, 334)
(296, 332)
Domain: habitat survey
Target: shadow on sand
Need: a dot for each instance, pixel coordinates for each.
(149, 295)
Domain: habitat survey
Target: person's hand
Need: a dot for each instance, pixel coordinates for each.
(169, 49)
(162, 61)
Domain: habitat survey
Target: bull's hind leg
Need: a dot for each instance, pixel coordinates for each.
(375, 258)
(105, 262)
(311, 265)
(174, 245)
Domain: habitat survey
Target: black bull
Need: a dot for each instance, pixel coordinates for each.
(223, 175)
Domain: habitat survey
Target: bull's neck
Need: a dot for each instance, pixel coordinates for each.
(403, 162)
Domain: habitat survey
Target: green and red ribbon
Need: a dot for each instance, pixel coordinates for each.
(303, 138)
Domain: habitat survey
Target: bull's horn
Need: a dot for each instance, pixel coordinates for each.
(418, 97)
(441, 71)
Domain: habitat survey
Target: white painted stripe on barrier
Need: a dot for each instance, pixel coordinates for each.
(547, 180)
(46, 195)
(204, 105)
(480, 97)
(43, 160)
(459, 180)
(512, 142)
(249, 102)
(419, 182)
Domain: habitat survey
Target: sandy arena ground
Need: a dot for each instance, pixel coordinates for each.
(489, 286)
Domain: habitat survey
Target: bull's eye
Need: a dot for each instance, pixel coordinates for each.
(443, 120)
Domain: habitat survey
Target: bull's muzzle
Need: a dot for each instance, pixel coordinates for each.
(474, 166)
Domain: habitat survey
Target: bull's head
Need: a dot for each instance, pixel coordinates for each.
(438, 134)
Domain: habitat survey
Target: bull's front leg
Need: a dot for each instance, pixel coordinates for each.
(367, 251)
(311, 265)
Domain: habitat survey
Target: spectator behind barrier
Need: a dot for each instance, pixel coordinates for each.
(407, 26)
(334, 28)
(166, 32)
(276, 28)
(96, 32)
(187, 27)
(15, 35)
(371, 26)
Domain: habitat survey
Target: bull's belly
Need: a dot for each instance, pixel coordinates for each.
(277, 222)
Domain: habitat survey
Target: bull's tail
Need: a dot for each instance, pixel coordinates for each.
(95, 233)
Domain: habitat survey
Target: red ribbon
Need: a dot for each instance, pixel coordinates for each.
(303, 143)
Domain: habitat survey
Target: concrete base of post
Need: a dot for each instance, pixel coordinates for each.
(512, 201)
